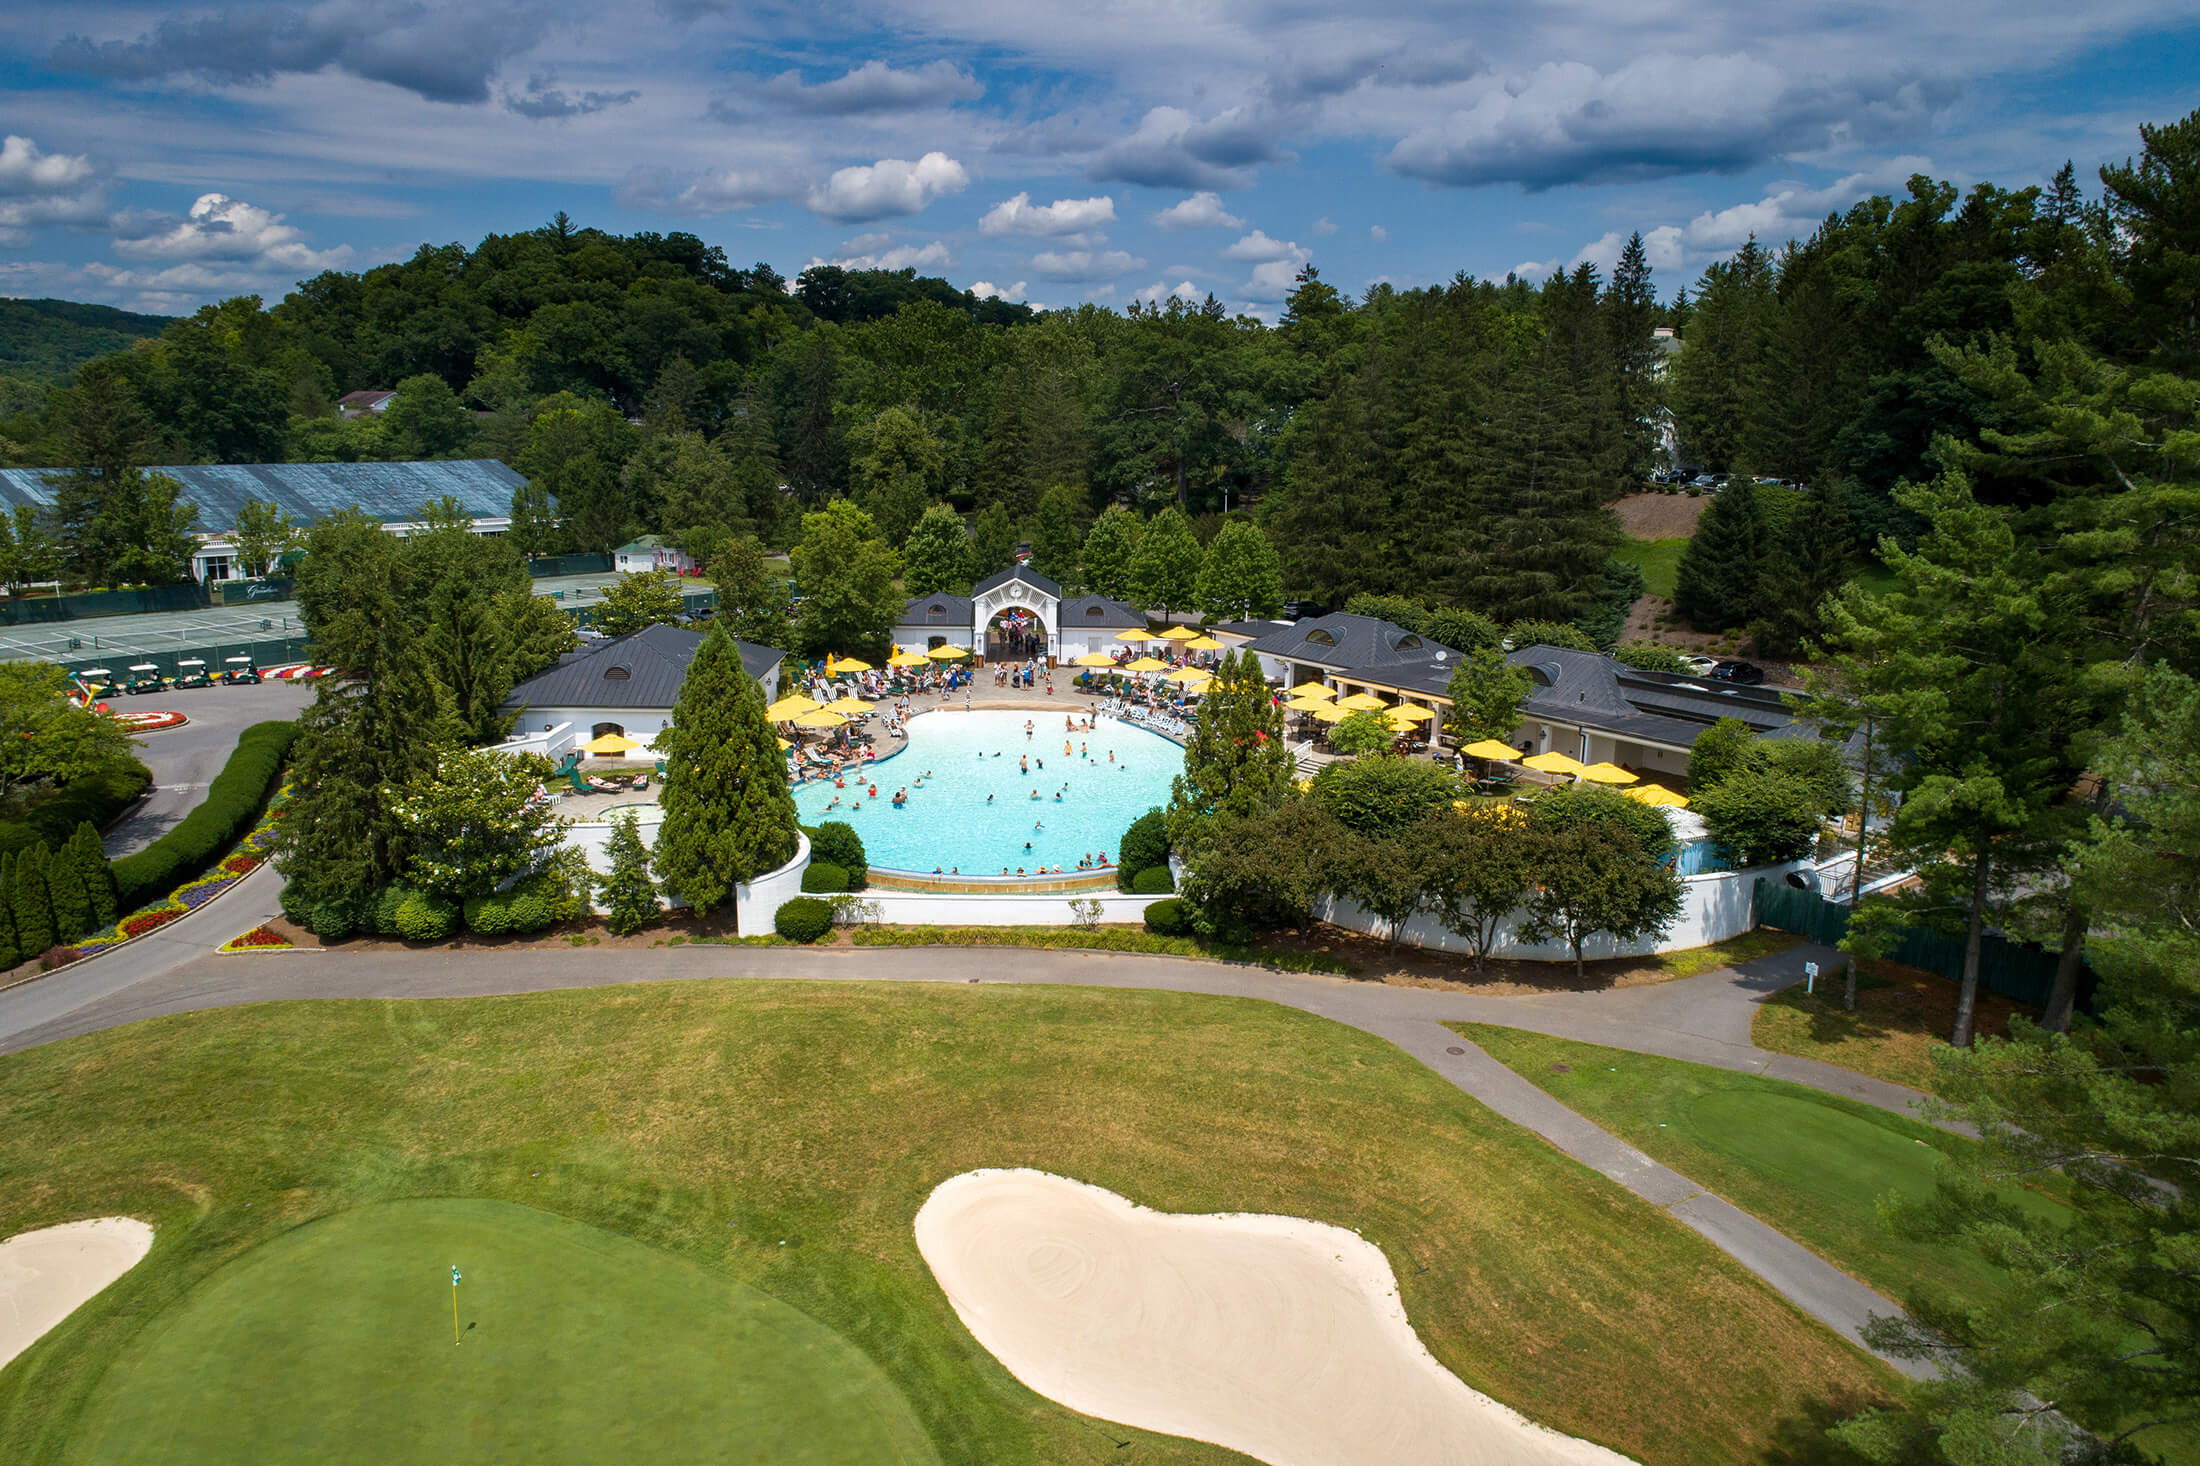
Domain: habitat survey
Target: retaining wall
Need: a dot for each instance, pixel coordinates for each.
(753, 902)
(1035, 908)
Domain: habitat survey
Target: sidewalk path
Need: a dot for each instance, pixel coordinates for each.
(1704, 1019)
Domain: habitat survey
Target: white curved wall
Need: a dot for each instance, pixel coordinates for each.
(753, 902)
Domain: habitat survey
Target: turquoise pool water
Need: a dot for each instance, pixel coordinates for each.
(975, 811)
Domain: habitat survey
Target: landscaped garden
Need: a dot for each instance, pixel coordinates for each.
(780, 1138)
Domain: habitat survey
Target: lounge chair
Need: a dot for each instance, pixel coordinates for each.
(580, 785)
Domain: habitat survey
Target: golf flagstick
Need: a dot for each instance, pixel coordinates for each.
(454, 1303)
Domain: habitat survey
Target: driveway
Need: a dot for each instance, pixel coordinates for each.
(185, 760)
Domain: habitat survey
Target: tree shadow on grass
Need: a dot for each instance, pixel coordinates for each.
(1802, 1439)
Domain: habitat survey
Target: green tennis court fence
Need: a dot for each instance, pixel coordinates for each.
(24, 610)
(2020, 971)
(548, 565)
(265, 652)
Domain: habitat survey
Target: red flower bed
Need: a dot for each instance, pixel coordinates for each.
(145, 921)
(237, 865)
(261, 936)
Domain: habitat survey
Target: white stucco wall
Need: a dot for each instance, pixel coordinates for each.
(1713, 908)
(753, 902)
(918, 639)
(642, 723)
(1049, 908)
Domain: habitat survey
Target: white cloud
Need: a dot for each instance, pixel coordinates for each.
(987, 290)
(219, 227)
(1062, 217)
(1172, 148)
(1324, 227)
(877, 87)
(1258, 246)
(40, 188)
(889, 187)
(1159, 291)
(721, 191)
(1661, 247)
(26, 170)
(1378, 233)
(1273, 280)
(1077, 265)
(1203, 210)
(1534, 269)
(879, 252)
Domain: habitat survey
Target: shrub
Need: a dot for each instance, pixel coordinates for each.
(1648, 656)
(804, 919)
(824, 878)
(490, 915)
(330, 920)
(426, 917)
(1726, 747)
(1169, 918)
(386, 902)
(836, 843)
(233, 801)
(528, 905)
(95, 797)
(1382, 795)
(1145, 845)
(1577, 806)
(1761, 817)
(1154, 880)
(1548, 633)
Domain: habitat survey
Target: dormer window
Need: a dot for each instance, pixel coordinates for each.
(1408, 642)
(1321, 638)
(937, 609)
(1095, 612)
(616, 674)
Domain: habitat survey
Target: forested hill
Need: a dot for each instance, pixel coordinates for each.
(48, 339)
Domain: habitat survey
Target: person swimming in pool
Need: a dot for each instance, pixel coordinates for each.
(1023, 765)
(1034, 794)
(989, 799)
(1057, 796)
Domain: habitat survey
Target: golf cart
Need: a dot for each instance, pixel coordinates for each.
(145, 677)
(237, 671)
(191, 672)
(100, 682)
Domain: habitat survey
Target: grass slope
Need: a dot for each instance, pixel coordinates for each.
(783, 1135)
(1813, 1165)
(1658, 560)
(580, 1346)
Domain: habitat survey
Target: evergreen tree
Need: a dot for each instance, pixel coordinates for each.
(698, 485)
(1723, 567)
(1165, 571)
(1240, 578)
(1486, 691)
(992, 541)
(1003, 479)
(1110, 547)
(1236, 763)
(752, 594)
(1629, 310)
(751, 443)
(728, 815)
(1058, 533)
(937, 556)
(847, 574)
(1712, 379)
(32, 901)
(1811, 559)
(70, 902)
(814, 455)
(11, 951)
(629, 893)
(97, 874)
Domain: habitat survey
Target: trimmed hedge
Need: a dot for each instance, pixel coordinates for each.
(1170, 918)
(426, 917)
(823, 878)
(1154, 880)
(233, 801)
(529, 906)
(95, 797)
(835, 842)
(803, 919)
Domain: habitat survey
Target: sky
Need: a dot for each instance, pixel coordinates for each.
(159, 157)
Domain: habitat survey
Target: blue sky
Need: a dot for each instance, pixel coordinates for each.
(158, 157)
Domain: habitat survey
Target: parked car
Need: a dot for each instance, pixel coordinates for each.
(239, 672)
(1303, 610)
(1742, 674)
(1698, 666)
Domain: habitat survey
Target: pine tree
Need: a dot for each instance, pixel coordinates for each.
(33, 903)
(1240, 578)
(11, 952)
(97, 873)
(1629, 309)
(1810, 560)
(1003, 478)
(728, 815)
(1723, 567)
(71, 904)
(1058, 533)
(629, 894)
(1236, 763)
(1165, 571)
(1110, 547)
(992, 541)
(937, 556)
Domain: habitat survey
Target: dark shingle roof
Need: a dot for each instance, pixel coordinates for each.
(389, 492)
(654, 661)
(1366, 645)
(1098, 611)
(1023, 573)
(936, 610)
(1593, 691)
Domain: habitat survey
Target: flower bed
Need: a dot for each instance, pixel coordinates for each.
(249, 855)
(149, 722)
(259, 939)
(145, 921)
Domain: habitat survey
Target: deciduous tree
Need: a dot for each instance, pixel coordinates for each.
(1240, 578)
(1485, 691)
(638, 599)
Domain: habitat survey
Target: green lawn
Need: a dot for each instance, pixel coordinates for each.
(1658, 560)
(773, 1141)
(1813, 1165)
(579, 1345)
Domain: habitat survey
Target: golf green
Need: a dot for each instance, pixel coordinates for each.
(334, 1343)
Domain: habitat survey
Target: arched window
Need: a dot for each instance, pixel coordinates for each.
(935, 609)
(1094, 613)
(1408, 642)
(616, 674)
(602, 728)
(1321, 638)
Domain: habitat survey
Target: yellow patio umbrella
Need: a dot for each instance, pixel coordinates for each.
(846, 664)
(848, 706)
(611, 743)
(1180, 633)
(947, 653)
(1490, 748)
(1313, 689)
(1093, 659)
(1329, 712)
(793, 705)
(1405, 717)
(1362, 702)
(1190, 677)
(1554, 763)
(784, 745)
(1307, 705)
(906, 659)
(1134, 637)
(1657, 794)
(1147, 664)
(1205, 644)
(1607, 774)
(820, 718)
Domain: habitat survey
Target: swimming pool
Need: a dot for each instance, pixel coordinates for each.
(975, 812)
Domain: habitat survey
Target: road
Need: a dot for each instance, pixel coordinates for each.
(185, 760)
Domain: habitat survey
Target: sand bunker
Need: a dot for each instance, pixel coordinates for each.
(1274, 1336)
(47, 1275)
